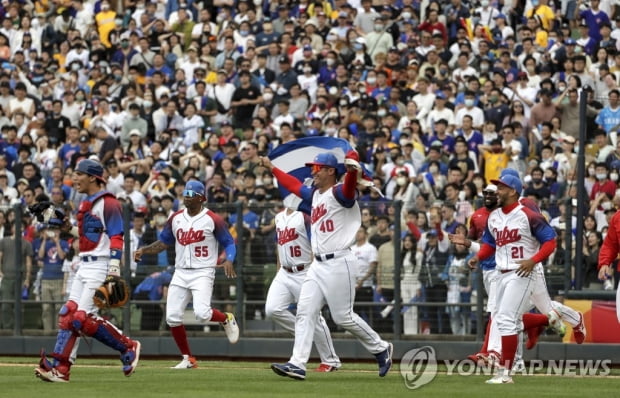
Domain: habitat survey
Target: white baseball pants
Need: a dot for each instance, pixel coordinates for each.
(285, 290)
(331, 282)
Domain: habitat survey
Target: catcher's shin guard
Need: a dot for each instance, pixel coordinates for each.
(102, 331)
(65, 340)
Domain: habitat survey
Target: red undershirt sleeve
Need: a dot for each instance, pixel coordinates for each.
(485, 252)
(545, 251)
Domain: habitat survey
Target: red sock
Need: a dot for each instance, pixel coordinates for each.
(534, 321)
(180, 337)
(509, 350)
(218, 316)
(485, 343)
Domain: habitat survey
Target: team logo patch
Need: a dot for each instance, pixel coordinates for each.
(188, 237)
(506, 236)
(318, 213)
(287, 235)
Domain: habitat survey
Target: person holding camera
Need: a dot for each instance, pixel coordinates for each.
(50, 252)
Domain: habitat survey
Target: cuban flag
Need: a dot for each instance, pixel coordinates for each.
(293, 156)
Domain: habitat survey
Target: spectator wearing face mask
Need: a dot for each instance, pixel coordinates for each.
(603, 183)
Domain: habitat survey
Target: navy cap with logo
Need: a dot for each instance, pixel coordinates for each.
(90, 167)
(193, 188)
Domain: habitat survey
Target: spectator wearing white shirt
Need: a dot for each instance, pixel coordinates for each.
(463, 71)
(439, 112)
(283, 115)
(469, 109)
(190, 64)
(192, 126)
(78, 52)
(424, 99)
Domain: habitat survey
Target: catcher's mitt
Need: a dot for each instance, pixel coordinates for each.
(113, 293)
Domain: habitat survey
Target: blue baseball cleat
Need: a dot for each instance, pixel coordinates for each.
(290, 370)
(384, 359)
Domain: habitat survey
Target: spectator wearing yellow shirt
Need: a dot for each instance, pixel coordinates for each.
(105, 23)
(541, 9)
(327, 9)
(495, 158)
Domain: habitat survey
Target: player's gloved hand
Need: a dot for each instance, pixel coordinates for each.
(113, 293)
(352, 158)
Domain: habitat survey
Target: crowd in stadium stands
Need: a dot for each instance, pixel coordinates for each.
(436, 96)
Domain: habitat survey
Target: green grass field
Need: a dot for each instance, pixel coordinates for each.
(153, 378)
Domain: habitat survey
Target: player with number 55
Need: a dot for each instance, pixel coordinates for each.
(197, 234)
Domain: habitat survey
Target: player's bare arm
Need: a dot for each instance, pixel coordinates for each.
(153, 248)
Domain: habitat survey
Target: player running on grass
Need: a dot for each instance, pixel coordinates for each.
(294, 258)
(197, 234)
(519, 238)
(491, 347)
(100, 225)
(335, 219)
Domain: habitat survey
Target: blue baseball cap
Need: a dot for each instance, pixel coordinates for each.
(509, 181)
(90, 167)
(193, 188)
(324, 159)
(510, 172)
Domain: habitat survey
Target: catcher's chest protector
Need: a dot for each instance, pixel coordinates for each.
(90, 226)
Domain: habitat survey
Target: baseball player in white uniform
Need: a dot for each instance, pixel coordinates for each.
(197, 233)
(294, 258)
(491, 349)
(335, 219)
(100, 226)
(519, 238)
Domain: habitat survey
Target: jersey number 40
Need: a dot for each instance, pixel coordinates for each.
(326, 226)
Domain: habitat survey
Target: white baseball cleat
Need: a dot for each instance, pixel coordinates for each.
(231, 328)
(502, 377)
(52, 375)
(500, 380)
(187, 363)
(556, 323)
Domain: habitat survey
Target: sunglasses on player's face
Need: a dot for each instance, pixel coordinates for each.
(188, 193)
(317, 167)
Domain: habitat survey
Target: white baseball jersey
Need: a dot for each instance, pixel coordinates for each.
(365, 254)
(333, 225)
(516, 235)
(292, 231)
(196, 239)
